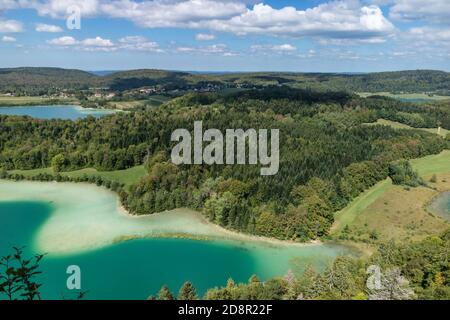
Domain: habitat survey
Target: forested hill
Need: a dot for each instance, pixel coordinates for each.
(40, 81)
(402, 81)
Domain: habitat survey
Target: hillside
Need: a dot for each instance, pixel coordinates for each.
(40, 81)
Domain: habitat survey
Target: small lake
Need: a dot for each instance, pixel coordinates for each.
(54, 112)
(440, 206)
(79, 224)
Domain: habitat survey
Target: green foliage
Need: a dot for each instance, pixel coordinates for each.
(324, 163)
(17, 276)
(58, 162)
(187, 292)
(409, 271)
(402, 173)
(165, 294)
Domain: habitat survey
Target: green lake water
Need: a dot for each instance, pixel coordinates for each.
(53, 112)
(138, 268)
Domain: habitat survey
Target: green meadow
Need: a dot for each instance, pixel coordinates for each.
(127, 177)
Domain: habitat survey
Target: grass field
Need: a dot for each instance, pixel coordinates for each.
(432, 164)
(389, 211)
(127, 177)
(397, 125)
(155, 101)
(413, 97)
(124, 105)
(23, 101)
(351, 212)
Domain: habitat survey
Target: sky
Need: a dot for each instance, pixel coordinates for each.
(227, 35)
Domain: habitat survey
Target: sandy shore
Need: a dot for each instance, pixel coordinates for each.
(220, 232)
(86, 217)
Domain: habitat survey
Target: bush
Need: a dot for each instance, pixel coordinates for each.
(402, 173)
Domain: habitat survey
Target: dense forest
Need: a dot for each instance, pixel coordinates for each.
(44, 81)
(328, 154)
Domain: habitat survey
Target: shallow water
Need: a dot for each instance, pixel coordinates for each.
(440, 206)
(54, 112)
(78, 224)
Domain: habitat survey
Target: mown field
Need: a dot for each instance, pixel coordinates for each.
(397, 125)
(26, 101)
(153, 101)
(413, 97)
(388, 212)
(127, 177)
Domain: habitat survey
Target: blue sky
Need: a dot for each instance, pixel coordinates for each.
(227, 35)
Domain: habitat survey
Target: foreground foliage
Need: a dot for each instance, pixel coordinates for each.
(17, 276)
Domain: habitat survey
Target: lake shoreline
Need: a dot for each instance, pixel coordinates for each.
(52, 111)
(230, 235)
(200, 229)
(438, 205)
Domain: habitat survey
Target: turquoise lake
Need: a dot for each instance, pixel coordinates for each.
(138, 268)
(53, 112)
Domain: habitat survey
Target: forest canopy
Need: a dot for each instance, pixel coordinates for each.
(328, 155)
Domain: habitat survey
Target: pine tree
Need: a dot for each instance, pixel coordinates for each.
(165, 294)
(187, 292)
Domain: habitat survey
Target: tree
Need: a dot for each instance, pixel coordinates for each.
(187, 292)
(165, 294)
(58, 162)
(402, 173)
(17, 279)
(393, 287)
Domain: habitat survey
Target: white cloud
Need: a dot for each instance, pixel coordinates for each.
(10, 26)
(430, 10)
(205, 37)
(63, 41)
(8, 39)
(173, 13)
(337, 19)
(186, 49)
(333, 19)
(59, 8)
(42, 27)
(8, 4)
(139, 43)
(282, 48)
(135, 43)
(133, 39)
(428, 36)
(97, 42)
(215, 49)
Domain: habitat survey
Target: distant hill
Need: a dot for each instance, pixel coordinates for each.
(395, 82)
(38, 81)
(42, 79)
(133, 79)
(401, 81)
